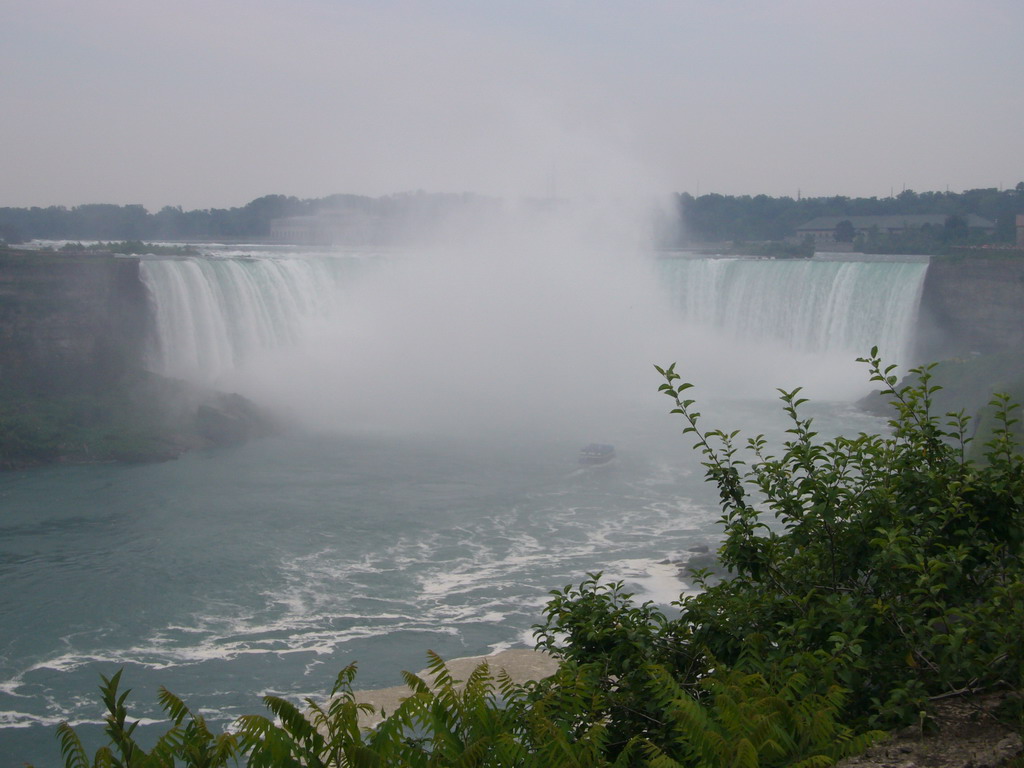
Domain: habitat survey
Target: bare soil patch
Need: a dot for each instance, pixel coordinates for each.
(967, 734)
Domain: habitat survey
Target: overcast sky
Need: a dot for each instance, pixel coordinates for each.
(211, 103)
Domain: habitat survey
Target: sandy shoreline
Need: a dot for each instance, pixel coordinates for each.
(521, 664)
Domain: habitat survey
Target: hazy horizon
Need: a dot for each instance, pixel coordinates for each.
(652, 202)
(214, 105)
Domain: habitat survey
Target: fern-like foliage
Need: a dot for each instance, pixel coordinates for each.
(751, 721)
(187, 742)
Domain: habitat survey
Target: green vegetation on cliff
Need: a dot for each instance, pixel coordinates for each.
(138, 418)
(969, 384)
(108, 426)
(131, 248)
(865, 578)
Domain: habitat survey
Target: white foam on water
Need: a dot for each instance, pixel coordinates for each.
(655, 581)
(15, 719)
(483, 579)
(526, 638)
(487, 558)
(10, 687)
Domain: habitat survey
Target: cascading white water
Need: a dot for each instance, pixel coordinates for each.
(462, 338)
(213, 314)
(543, 339)
(823, 305)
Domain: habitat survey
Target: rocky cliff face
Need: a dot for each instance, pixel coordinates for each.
(69, 322)
(972, 306)
(73, 330)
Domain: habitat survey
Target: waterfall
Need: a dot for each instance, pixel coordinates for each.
(439, 338)
(836, 306)
(212, 314)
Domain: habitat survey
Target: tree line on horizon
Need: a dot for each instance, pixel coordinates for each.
(707, 218)
(716, 218)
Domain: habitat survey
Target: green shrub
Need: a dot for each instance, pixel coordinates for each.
(895, 554)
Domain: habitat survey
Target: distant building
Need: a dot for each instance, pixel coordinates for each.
(341, 228)
(294, 230)
(823, 228)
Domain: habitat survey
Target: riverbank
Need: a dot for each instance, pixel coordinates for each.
(967, 731)
(522, 665)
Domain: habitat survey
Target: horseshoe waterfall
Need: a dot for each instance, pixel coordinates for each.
(243, 322)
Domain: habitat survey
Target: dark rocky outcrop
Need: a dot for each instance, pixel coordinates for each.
(73, 331)
(228, 419)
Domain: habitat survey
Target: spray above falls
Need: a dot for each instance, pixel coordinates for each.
(529, 320)
(528, 328)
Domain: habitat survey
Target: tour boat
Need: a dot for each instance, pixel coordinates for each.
(597, 454)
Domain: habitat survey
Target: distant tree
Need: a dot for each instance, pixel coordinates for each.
(254, 219)
(1006, 227)
(11, 233)
(955, 228)
(844, 232)
(168, 222)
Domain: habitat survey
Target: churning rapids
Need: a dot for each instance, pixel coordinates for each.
(430, 496)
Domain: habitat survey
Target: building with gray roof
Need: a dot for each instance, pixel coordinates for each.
(823, 228)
